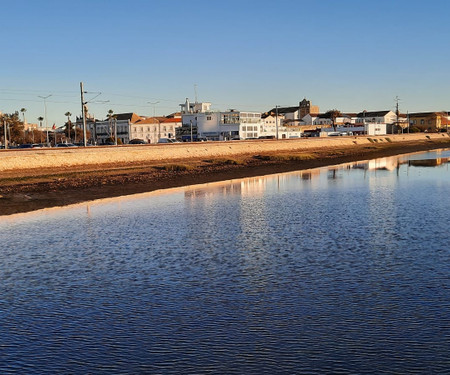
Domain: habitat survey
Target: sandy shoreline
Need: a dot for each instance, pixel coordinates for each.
(28, 189)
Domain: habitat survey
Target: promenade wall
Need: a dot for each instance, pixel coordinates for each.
(67, 157)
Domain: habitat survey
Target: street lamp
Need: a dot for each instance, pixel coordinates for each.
(159, 123)
(45, 113)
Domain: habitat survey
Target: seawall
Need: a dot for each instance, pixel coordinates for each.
(66, 157)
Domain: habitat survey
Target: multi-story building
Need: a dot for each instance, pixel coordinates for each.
(429, 121)
(377, 117)
(132, 126)
(198, 119)
(103, 132)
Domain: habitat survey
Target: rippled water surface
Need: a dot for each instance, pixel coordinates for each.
(336, 270)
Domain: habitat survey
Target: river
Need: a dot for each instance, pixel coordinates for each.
(342, 269)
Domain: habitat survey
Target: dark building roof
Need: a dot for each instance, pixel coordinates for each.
(280, 110)
(131, 116)
(425, 114)
(373, 114)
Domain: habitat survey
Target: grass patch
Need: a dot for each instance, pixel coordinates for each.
(370, 140)
(225, 161)
(388, 139)
(371, 148)
(175, 167)
(427, 136)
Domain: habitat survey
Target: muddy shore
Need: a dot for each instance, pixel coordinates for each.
(28, 189)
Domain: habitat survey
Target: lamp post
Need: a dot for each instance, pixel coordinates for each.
(45, 113)
(159, 123)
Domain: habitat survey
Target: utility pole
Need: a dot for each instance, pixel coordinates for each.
(397, 99)
(115, 131)
(4, 133)
(407, 119)
(83, 114)
(276, 120)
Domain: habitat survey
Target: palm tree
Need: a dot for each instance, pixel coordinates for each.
(110, 116)
(40, 119)
(23, 110)
(69, 123)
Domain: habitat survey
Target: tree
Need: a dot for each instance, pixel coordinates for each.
(23, 110)
(332, 114)
(14, 127)
(68, 130)
(111, 116)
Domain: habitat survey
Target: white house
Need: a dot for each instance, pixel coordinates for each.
(378, 117)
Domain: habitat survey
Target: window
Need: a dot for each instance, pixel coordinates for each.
(208, 118)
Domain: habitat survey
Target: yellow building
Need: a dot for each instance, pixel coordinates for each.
(428, 121)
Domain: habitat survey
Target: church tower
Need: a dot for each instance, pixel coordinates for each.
(306, 108)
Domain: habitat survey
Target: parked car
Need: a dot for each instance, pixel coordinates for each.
(166, 140)
(65, 145)
(137, 142)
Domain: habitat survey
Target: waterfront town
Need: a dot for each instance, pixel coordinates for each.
(197, 122)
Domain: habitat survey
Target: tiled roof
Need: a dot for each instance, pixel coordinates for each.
(172, 120)
(148, 120)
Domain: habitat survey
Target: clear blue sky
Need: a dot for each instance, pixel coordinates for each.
(248, 54)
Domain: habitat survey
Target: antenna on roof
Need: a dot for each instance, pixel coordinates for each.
(195, 89)
(397, 113)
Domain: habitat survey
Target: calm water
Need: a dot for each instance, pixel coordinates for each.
(339, 270)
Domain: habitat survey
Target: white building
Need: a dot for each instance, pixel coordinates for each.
(202, 122)
(276, 125)
(132, 126)
(379, 117)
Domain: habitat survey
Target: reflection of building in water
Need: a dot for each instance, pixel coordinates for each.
(428, 162)
(309, 174)
(223, 188)
(245, 187)
(389, 164)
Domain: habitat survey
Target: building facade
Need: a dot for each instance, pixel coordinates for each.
(429, 121)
